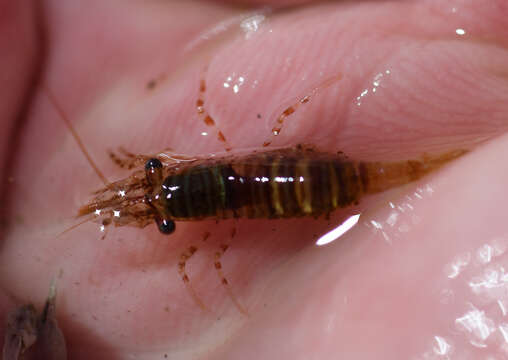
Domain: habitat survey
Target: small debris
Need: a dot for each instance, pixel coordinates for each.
(50, 342)
(151, 84)
(34, 335)
(21, 332)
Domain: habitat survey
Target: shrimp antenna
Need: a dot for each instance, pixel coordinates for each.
(75, 226)
(75, 135)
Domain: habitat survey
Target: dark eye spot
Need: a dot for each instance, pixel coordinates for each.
(153, 164)
(166, 226)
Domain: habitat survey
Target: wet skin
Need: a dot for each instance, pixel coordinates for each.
(421, 273)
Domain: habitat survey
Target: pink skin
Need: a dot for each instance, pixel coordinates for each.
(413, 279)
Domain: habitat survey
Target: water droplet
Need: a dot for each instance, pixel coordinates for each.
(251, 24)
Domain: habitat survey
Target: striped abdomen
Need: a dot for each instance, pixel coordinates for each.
(265, 185)
(281, 183)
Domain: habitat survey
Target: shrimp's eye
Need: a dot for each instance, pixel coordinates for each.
(166, 226)
(153, 164)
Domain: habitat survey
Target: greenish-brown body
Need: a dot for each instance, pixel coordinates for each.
(283, 183)
(264, 185)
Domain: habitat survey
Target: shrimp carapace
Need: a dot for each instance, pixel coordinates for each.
(283, 183)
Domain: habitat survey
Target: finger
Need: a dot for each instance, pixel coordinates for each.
(423, 276)
(19, 64)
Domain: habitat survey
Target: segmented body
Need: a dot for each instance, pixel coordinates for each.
(275, 184)
(282, 183)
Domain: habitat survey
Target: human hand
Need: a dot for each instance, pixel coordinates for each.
(414, 275)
